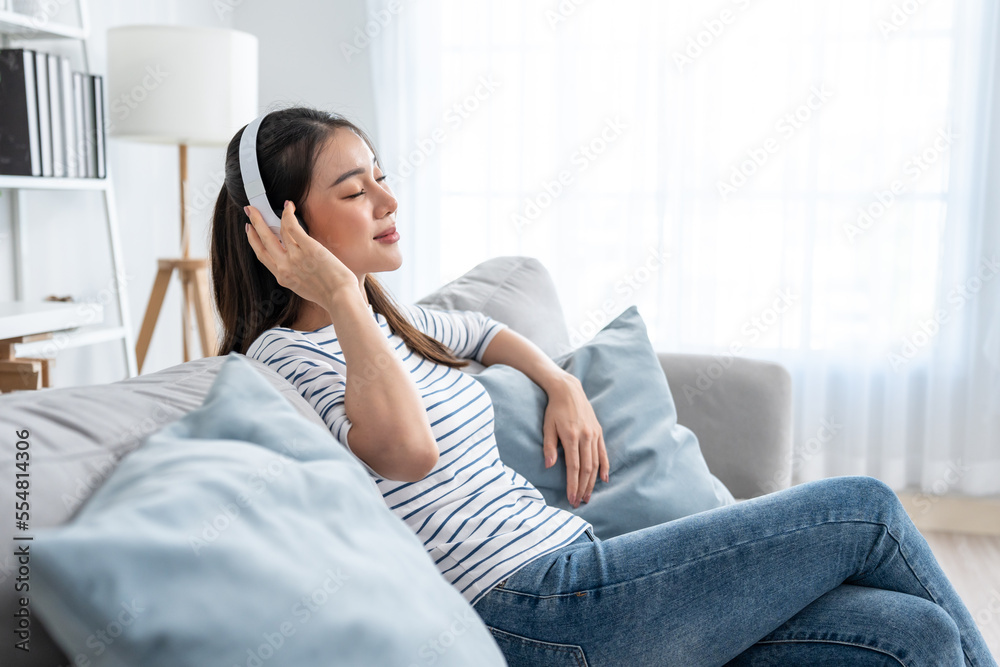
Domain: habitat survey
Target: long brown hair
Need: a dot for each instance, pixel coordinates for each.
(247, 295)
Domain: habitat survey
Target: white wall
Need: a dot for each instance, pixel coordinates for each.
(301, 58)
(64, 232)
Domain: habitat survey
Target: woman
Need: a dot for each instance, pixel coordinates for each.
(831, 572)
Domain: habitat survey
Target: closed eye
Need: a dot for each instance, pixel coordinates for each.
(358, 194)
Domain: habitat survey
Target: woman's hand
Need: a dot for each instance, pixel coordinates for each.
(570, 418)
(303, 265)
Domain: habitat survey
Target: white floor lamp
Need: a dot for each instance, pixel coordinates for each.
(185, 85)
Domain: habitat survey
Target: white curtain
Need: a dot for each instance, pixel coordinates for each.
(804, 182)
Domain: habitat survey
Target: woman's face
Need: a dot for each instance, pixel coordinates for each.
(349, 204)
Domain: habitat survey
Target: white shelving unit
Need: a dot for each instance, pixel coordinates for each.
(29, 319)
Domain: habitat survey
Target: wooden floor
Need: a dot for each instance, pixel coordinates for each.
(972, 563)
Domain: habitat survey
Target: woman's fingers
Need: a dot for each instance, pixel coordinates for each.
(290, 227)
(309, 254)
(602, 449)
(582, 462)
(258, 248)
(267, 237)
(571, 450)
(586, 457)
(592, 477)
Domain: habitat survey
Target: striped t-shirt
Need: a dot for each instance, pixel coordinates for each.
(479, 520)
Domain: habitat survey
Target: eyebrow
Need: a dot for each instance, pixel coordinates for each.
(347, 175)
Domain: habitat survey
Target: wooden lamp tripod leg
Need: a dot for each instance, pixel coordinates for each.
(203, 312)
(187, 287)
(193, 273)
(194, 291)
(163, 275)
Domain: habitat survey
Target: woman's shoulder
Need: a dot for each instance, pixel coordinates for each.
(416, 315)
(273, 339)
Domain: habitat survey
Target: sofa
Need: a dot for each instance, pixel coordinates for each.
(740, 410)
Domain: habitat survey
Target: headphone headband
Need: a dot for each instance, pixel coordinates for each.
(252, 182)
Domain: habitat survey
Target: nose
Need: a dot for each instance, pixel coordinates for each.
(388, 203)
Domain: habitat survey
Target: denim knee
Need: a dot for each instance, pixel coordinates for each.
(935, 635)
(874, 487)
(864, 492)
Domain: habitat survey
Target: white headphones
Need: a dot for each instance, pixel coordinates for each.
(252, 182)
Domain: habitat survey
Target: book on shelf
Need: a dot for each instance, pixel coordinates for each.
(44, 118)
(80, 152)
(68, 125)
(52, 119)
(98, 81)
(88, 128)
(19, 144)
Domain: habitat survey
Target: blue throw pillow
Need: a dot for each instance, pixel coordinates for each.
(242, 534)
(657, 470)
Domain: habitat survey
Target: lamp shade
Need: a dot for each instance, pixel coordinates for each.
(180, 84)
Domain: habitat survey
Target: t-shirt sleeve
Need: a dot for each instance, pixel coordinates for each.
(319, 376)
(467, 333)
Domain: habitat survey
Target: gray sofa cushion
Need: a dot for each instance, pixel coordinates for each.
(77, 435)
(517, 291)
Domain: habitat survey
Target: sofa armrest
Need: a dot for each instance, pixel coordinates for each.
(741, 411)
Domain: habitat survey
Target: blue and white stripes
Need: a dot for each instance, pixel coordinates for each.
(478, 519)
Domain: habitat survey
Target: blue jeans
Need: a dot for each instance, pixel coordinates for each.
(831, 572)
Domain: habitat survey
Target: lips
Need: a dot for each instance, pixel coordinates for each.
(386, 232)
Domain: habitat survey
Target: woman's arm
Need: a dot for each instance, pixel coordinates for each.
(569, 417)
(512, 349)
(390, 430)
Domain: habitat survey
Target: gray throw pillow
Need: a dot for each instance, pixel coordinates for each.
(657, 470)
